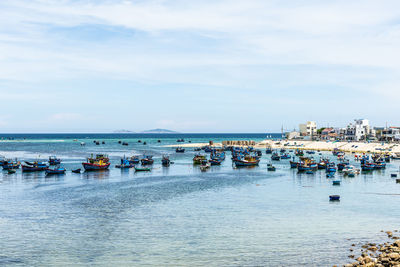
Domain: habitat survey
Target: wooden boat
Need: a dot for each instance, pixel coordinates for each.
(11, 165)
(53, 160)
(215, 161)
(180, 150)
(271, 168)
(334, 197)
(138, 169)
(134, 160)
(55, 171)
(199, 159)
(336, 182)
(247, 161)
(285, 156)
(125, 164)
(268, 150)
(275, 156)
(34, 167)
(294, 164)
(331, 167)
(299, 152)
(76, 171)
(147, 160)
(165, 161)
(99, 163)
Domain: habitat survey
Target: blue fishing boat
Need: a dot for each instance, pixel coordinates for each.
(11, 165)
(147, 160)
(271, 168)
(215, 161)
(165, 161)
(125, 164)
(34, 167)
(180, 150)
(53, 160)
(285, 156)
(268, 150)
(331, 167)
(334, 198)
(294, 164)
(247, 161)
(134, 160)
(299, 152)
(275, 156)
(55, 171)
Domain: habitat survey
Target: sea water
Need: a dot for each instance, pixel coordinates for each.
(180, 216)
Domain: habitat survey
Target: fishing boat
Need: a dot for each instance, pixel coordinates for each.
(99, 163)
(275, 156)
(270, 167)
(134, 160)
(76, 171)
(246, 161)
(336, 182)
(53, 160)
(268, 150)
(55, 171)
(138, 169)
(215, 161)
(179, 150)
(11, 165)
(125, 164)
(334, 197)
(205, 166)
(367, 166)
(331, 167)
(310, 152)
(294, 164)
(147, 160)
(165, 161)
(322, 164)
(299, 152)
(34, 167)
(307, 164)
(199, 159)
(285, 156)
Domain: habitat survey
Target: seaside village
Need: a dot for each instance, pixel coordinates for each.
(359, 130)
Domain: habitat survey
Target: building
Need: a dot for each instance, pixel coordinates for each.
(329, 134)
(359, 130)
(308, 129)
(390, 134)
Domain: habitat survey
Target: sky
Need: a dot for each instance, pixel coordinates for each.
(197, 66)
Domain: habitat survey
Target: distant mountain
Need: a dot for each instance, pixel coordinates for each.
(159, 131)
(123, 131)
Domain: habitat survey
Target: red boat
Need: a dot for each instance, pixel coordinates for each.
(101, 162)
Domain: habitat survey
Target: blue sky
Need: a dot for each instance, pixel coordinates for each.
(197, 66)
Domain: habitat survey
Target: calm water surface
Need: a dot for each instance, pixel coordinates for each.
(179, 216)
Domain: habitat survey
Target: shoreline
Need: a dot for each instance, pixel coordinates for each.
(351, 147)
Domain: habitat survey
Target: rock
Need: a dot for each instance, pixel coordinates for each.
(367, 259)
(360, 259)
(397, 243)
(353, 245)
(351, 256)
(389, 233)
(394, 255)
(349, 265)
(369, 264)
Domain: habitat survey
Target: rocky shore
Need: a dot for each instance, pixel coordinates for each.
(378, 255)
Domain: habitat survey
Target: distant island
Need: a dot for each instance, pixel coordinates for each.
(123, 131)
(159, 131)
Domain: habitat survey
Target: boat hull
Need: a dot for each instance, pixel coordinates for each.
(95, 167)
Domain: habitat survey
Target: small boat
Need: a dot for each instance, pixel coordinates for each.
(137, 169)
(285, 156)
(352, 174)
(11, 165)
(125, 143)
(394, 175)
(310, 152)
(147, 160)
(271, 168)
(55, 171)
(336, 182)
(334, 197)
(268, 150)
(197, 149)
(144, 143)
(134, 160)
(180, 140)
(99, 163)
(76, 171)
(199, 159)
(204, 166)
(125, 164)
(179, 150)
(11, 171)
(331, 167)
(165, 161)
(247, 161)
(215, 161)
(53, 160)
(275, 156)
(34, 167)
(158, 141)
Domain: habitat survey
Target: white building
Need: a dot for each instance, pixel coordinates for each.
(308, 129)
(391, 134)
(357, 131)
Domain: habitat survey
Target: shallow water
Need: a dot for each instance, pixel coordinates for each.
(181, 216)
